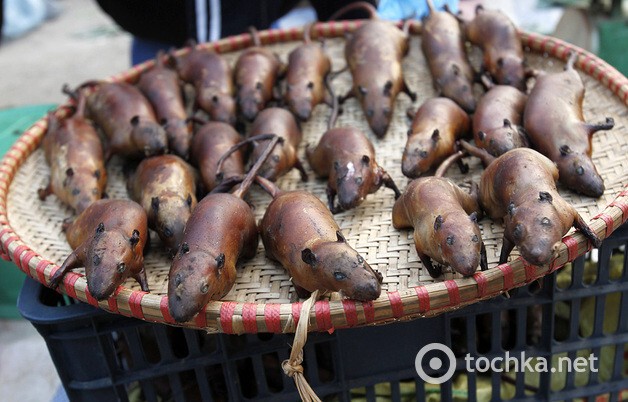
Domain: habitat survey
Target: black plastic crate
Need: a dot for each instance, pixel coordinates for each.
(581, 310)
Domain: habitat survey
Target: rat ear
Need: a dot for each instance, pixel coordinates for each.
(435, 136)
(387, 87)
(438, 222)
(154, 203)
(220, 261)
(474, 217)
(545, 196)
(308, 257)
(517, 232)
(135, 238)
(340, 237)
(100, 228)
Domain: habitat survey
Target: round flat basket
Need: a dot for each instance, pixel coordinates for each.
(263, 298)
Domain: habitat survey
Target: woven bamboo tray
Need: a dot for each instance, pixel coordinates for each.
(263, 298)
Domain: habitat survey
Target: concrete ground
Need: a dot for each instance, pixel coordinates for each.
(80, 44)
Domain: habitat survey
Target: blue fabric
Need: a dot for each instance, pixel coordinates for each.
(143, 50)
(416, 9)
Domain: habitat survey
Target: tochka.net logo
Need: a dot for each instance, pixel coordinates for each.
(441, 359)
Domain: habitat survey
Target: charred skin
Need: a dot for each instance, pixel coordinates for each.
(436, 126)
(256, 73)
(210, 142)
(347, 158)
(442, 44)
(204, 268)
(556, 127)
(74, 152)
(108, 239)
(499, 40)
(445, 222)
(160, 84)
(284, 157)
(374, 53)
(165, 187)
(299, 231)
(212, 78)
(520, 187)
(498, 119)
(308, 65)
(127, 119)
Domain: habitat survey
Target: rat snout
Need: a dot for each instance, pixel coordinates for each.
(410, 165)
(540, 253)
(304, 112)
(366, 292)
(349, 198)
(380, 126)
(249, 107)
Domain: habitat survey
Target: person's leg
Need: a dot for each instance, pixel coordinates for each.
(143, 49)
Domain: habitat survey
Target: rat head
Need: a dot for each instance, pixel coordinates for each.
(168, 215)
(338, 267)
(250, 100)
(179, 133)
(353, 180)
(500, 140)
(148, 136)
(272, 168)
(220, 106)
(510, 70)
(419, 154)
(299, 97)
(87, 186)
(578, 173)
(112, 257)
(460, 241)
(535, 228)
(456, 87)
(378, 104)
(195, 279)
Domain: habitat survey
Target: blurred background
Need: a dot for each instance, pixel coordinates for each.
(47, 43)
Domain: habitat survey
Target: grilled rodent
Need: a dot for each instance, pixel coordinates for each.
(220, 232)
(520, 188)
(160, 84)
(436, 126)
(499, 40)
(308, 66)
(445, 222)
(442, 42)
(210, 142)
(284, 157)
(128, 120)
(74, 152)
(346, 157)
(300, 232)
(108, 239)
(498, 119)
(256, 72)
(212, 78)
(374, 53)
(556, 128)
(165, 186)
